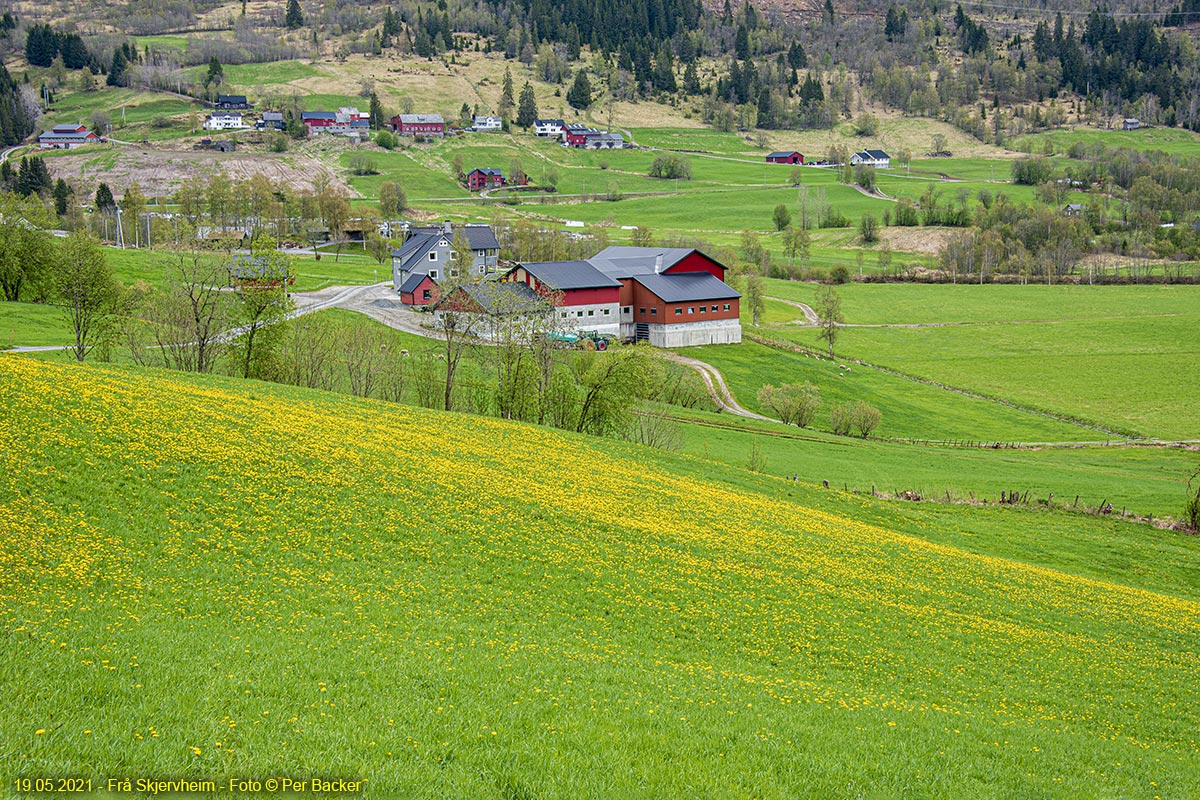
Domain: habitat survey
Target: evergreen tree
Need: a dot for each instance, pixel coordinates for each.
(62, 197)
(691, 80)
(528, 110)
(378, 118)
(40, 46)
(294, 17)
(104, 198)
(116, 72)
(829, 11)
(664, 71)
(797, 58)
(741, 43)
(506, 95)
(33, 177)
(580, 94)
(216, 73)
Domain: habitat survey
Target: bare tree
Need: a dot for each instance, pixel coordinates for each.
(185, 323)
(263, 302)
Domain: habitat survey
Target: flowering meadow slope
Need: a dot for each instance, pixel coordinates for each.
(206, 579)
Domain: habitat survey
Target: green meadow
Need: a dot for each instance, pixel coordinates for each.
(362, 591)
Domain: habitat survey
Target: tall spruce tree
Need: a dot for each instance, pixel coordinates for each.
(294, 17)
(528, 110)
(580, 94)
(506, 95)
(116, 72)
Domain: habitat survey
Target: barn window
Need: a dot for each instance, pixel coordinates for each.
(642, 310)
(606, 312)
(691, 310)
(679, 312)
(654, 312)
(727, 306)
(703, 309)
(714, 308)
(591, 312)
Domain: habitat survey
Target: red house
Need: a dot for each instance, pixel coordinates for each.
(419, 125)
(485, 178)
(418, 290)
(577, 134)
(788, 157)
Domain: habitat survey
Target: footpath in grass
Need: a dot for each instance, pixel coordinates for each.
(666, 627)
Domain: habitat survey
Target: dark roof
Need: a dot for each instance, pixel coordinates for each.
(415, 247)
(489, 171)
(505, 297)
(317, 115)
(623, 261)
(687, 286)
(565, 275)
(479, 237)
(414, 280)
(253, 268)
(231, 98)
(875, 154)
(784, 154)
(548, 122)
(272, 116)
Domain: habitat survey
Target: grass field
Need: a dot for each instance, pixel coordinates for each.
(1122, 356)
(1169, 140)
(362, 591)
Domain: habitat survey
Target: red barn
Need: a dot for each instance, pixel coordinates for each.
(584, 297)
(672, 296)
(419, 125)
(788, 157)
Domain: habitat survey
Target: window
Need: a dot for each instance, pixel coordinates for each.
(579, 313)
(629, 310)
(453, 272)
(654, 312)
(714, 308)
(564, 315)
(691, 310)
(727, 306)
(606, 312)
(679, 312)
(703, 309)
(642, 310)
(591, 312)
(425, 295)
(480, 253)
(433, 274)
(433, 255)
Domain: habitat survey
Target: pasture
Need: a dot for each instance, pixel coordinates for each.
(361, 590)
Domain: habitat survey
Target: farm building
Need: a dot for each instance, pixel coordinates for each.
(604, 141)
(232, 102)
(548, 127)
(485, 178)
(343, 122)
(429, 251)
(576, 134)
(785, 157)
(418, 289)
(487, 125)
(1131, 124)
(271, 120)
(225, 121)
(583, 296)
(672, 296)
(871, 158)
(1073, 209)
(419, 125)
(65, 137)
(491, 302)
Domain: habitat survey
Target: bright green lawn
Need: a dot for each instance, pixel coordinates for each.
(32, 325)
(204, 577)
(1122, 356)
(1169, 140)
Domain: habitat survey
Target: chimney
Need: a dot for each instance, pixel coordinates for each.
(446, 228)
(658, 262)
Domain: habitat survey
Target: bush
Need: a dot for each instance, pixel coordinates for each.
(670, 165)
(832, 218)
(839, 274)
(278, 143)
(792, 402)
(1031, 171)
(865, 418)
(162, 121)
(906, 215)
(869, 228)
(602, 163)
(840, 419)
(386, 140)
(362, 164)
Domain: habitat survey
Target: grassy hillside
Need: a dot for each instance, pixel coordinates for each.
(214, 578)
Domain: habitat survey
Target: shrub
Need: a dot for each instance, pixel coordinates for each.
(832, 218)
(386, 140)
(839, 274)
(906, 215)
(278, 143)
(840, 419)
(869, 228)
(865, 417)
(362, 164)
(162, 121)
(669, 165)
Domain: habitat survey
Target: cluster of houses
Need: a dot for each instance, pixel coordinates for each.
(867, 158)
(575, 134)
(667, 296)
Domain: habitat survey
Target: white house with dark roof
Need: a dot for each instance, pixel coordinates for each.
(871, 158)
(224, 121)
(487, 125)
(548, 127)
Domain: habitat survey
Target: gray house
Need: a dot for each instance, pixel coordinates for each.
(430, 251)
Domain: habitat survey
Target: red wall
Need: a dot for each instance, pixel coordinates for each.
(644, 298)
(417, 296)
(697, 262)
(586, 297)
